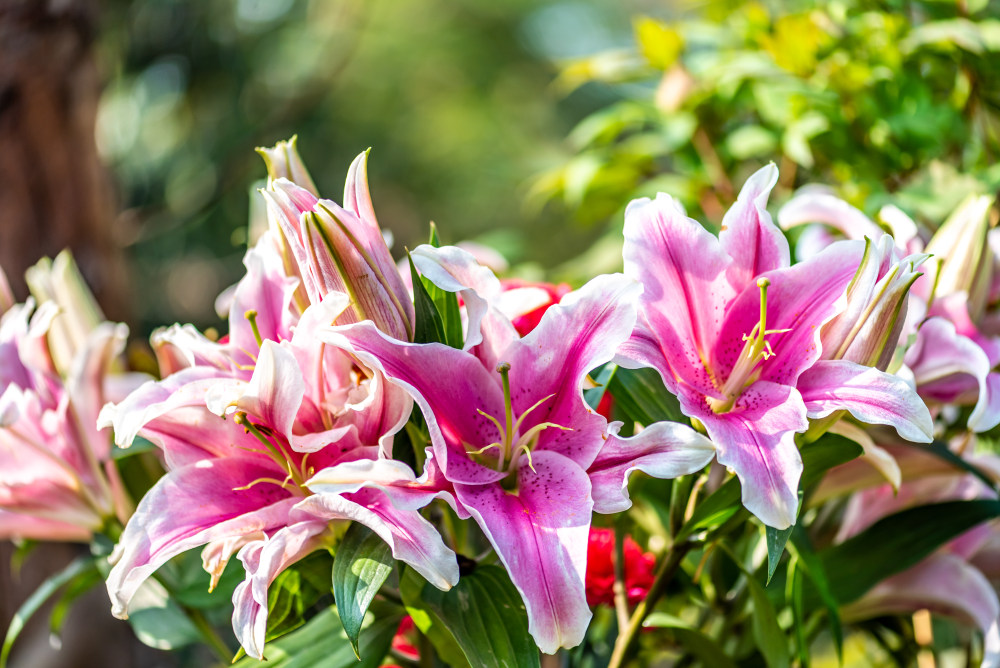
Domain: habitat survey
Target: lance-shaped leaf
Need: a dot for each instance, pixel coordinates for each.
(362, 564)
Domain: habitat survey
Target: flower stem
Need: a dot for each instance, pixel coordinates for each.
(621, 595)
(668, 568)
(209, 635)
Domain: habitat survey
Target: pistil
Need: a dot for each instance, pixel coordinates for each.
(756, 348)
(509, 449)
(251, 316)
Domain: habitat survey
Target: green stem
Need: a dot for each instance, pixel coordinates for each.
(664, 574)
(209, 635)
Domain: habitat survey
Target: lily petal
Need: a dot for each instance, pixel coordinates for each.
(264, 560)
(870, 395)
(680, 265)
(946, 365)
(189, 507)
(445, 405)
(540, 535)
(748, 235)
(576, 335)
(757, 441)
(662, 450)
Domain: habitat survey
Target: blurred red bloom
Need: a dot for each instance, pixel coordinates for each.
(601, 570)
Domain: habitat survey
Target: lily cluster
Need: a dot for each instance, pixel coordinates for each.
(344, 392)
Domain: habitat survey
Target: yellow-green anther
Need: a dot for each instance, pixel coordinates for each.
(251, 316)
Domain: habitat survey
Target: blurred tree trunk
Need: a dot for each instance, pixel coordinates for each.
(54, 192)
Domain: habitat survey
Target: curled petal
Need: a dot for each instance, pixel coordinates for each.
(264, 560)
(870, 395)
(662, 450)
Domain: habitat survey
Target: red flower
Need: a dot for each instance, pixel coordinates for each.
(527, 317)
(601, 570)
(404, 642)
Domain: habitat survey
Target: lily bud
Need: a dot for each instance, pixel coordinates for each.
(962, 256)
(59, 281)
(283, 162)
(867, 331)
(331, 248)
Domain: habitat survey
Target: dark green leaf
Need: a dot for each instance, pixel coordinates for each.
(284, 604)
(776, 540)
(803, 550)
(693, 640)
(764, 621)
(793, 592)
(446, 304)
(362, 564)
(485, 616)
(428, 326)
(822, 455)
(897, 542)
(641, 395)
(718, 507)
(323, 643)
(82, 566)
(411, 587)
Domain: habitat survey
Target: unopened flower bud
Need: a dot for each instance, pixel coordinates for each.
(962, 256)
(868, 329)
(283, 162)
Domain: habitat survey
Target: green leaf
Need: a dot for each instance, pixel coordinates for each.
(793, 592)
(641, 395)
(720, 505)
(823, 454)
(446, 304)
(81, 567)
(362, 564)
(897, 542)
(411, 587)
(594, 394)
(483, 613)
(158, 621)
(696, 642)
(323, 643)
(284, 604)
(776, 540)
(429, 327)
(803, 552)
(767, 632)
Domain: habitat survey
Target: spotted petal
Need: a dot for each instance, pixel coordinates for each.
(540, 535)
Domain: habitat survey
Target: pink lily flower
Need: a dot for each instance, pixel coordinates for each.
(243, 424)
(955, 579)
(734, 332)
(951, 360)
(513, 444)
(57, 480)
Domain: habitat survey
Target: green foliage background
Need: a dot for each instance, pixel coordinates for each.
(455, 99)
